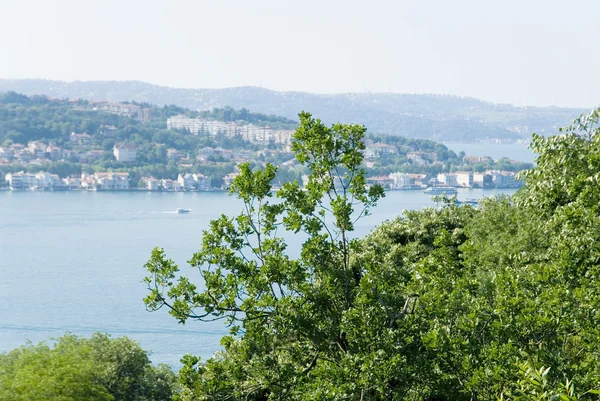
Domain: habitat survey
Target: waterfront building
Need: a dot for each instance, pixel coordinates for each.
(72, 183)
(109, 181)
(186, 181)
(228, 179)
(45, 180)
(401, 180)
(505, 179)
(418, 179)
(202, 182)
(171, 185)
(447, 179)
(385, 181)
(482, 180)
(464, 179)
(150, 183)
(18, 180)
(42, 180)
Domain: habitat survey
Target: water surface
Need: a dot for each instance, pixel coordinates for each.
(73, 262)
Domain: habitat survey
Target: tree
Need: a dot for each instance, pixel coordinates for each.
(286, 315)
(97, 369)
(445, 303)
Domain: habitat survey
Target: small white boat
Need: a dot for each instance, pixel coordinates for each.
(440, 191)
(182, 211)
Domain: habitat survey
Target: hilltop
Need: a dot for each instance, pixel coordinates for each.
(436, 117)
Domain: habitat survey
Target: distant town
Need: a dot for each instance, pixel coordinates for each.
(173, 150)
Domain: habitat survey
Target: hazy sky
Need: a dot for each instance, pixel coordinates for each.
(537, 52)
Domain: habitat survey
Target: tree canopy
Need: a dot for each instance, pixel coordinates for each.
(99, 368)
(450, 303)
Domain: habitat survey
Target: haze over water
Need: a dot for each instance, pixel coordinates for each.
(517, 151)
(73, 262)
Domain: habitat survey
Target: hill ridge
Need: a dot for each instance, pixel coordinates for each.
(426, 116)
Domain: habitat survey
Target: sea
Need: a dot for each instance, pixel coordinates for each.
(73, 262)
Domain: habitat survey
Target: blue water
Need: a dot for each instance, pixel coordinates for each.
(73, 262)
(516, 151)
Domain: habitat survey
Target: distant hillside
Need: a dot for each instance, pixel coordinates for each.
(442, 118)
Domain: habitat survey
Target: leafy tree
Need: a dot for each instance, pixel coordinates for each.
(441, 304)
(97, 369)
(285, 315)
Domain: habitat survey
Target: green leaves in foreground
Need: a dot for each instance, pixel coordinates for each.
(92, 369)
(441, 304)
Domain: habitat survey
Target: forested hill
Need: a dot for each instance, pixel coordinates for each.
(442, 118)
(24, 118)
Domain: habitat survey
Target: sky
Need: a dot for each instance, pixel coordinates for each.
(523, 52)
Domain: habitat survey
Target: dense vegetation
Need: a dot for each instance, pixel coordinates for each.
(24, 119)
(437, 117)
(99, 368)
(452, 303)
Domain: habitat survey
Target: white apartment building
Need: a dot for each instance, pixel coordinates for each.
(41, 180)
(202, 182)
(72, 182)
(125, 152)
(401, 180)
(448, 179)
(505, 179)
(110, 181)
(170, 185)
(482, 180)
(248, 132)
(464, 179)
(150, 183)
(186, 181)
(19, 180)
(46, 180)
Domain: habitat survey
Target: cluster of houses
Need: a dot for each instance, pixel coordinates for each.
(487, 179)
(376, 151)
(139, 113)
(205, 155)
(38, 152)
(108, 181)
(249, 132)
(45, 181)
(115, 181)
(184, 182)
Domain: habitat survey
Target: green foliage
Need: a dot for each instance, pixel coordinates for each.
(535, 386)
(96, 369)
(441, 304)
(285, 315)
